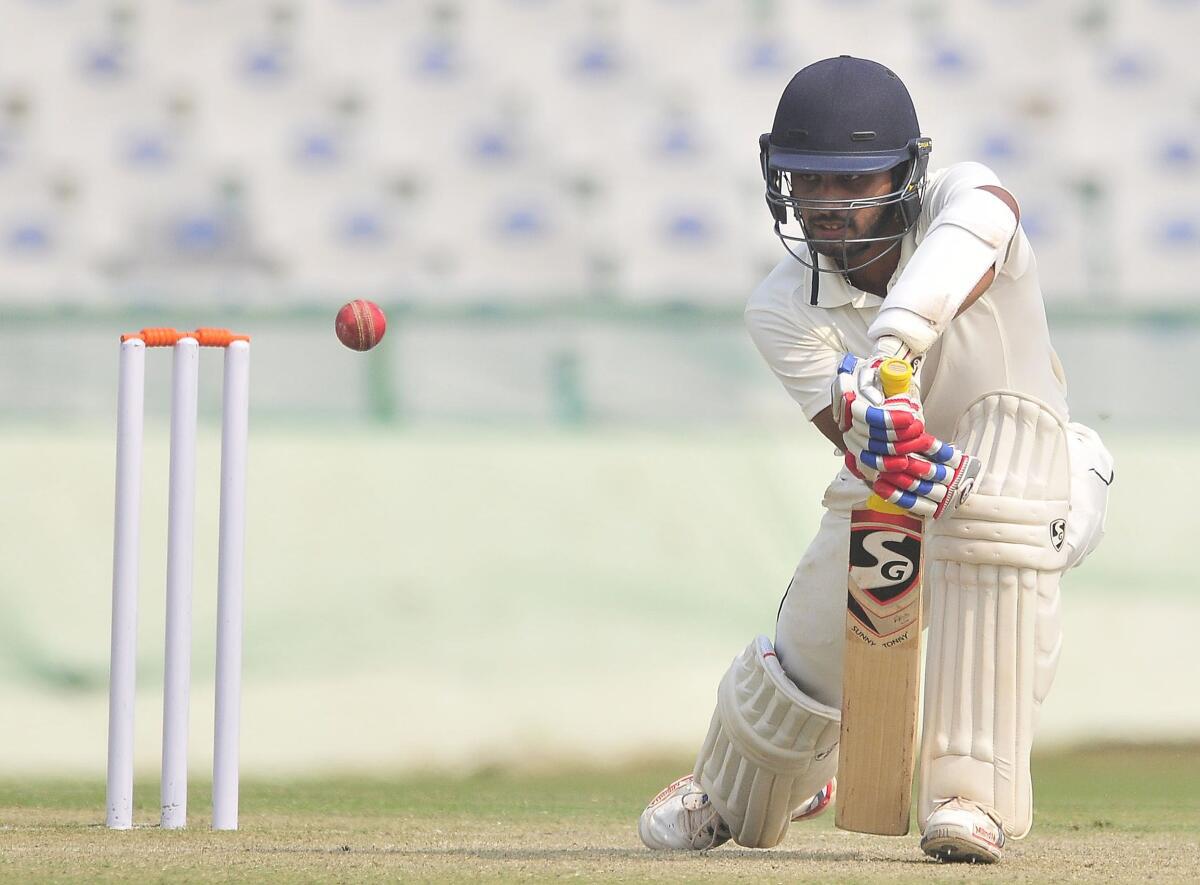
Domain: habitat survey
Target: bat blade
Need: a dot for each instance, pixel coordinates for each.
(881, 679)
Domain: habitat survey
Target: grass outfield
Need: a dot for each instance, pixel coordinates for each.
(1112, 815)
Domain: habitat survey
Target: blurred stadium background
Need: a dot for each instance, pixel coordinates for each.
(564, 492)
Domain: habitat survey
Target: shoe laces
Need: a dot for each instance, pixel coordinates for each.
(704, 825)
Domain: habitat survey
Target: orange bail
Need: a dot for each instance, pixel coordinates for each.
(217, 337)
(163, 337)
(158, 337)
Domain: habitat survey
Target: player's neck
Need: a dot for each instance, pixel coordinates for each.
(875, 276)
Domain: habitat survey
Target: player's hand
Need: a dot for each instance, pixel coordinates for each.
(871, 421)
(855, 382)
(888, 447)
(931, 484)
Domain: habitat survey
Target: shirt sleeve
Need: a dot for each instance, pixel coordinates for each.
(954, 180)
(803, 359)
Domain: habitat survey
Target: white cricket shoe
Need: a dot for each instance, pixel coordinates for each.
(681, 817)
(960, 831)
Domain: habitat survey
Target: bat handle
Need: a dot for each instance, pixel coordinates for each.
(895, 376)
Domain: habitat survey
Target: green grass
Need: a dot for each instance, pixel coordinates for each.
(1134, 789)
(1105, 814)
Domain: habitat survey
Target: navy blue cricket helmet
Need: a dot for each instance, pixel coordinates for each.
(844, 116)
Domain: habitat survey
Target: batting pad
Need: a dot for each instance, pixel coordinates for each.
(992, 576)
(769, 748)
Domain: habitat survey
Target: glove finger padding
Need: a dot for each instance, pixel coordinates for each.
(898, 418)
(930, 497)
(919, 443)
(931, 480)
(861, 470)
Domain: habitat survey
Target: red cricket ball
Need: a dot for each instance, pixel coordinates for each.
(360, 324)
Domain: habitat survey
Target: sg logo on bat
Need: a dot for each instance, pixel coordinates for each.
(885, 574)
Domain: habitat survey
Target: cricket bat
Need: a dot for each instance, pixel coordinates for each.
(882, 664)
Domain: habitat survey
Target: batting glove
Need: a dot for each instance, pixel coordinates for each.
(887, 446)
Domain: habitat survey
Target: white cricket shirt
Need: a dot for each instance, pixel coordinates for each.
(802, 326)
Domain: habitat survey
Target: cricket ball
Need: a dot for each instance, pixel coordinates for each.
(360, 324)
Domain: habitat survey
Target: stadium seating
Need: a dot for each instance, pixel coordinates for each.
(539, 150)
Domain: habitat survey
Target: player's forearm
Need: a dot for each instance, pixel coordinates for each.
(954, 265)
(985, 283)
(824, 422)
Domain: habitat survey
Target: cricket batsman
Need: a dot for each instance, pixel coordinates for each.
(887, 259)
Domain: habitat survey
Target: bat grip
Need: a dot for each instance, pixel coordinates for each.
(895, 376)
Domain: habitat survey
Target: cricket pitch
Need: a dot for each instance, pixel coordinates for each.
(1118, 814)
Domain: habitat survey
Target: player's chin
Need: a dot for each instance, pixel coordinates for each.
(833, 247)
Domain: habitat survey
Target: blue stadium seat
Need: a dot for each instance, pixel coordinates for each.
(542, 140)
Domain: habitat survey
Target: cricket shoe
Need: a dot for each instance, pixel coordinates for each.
(960, 831)
(820, 801)
(682, 817)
